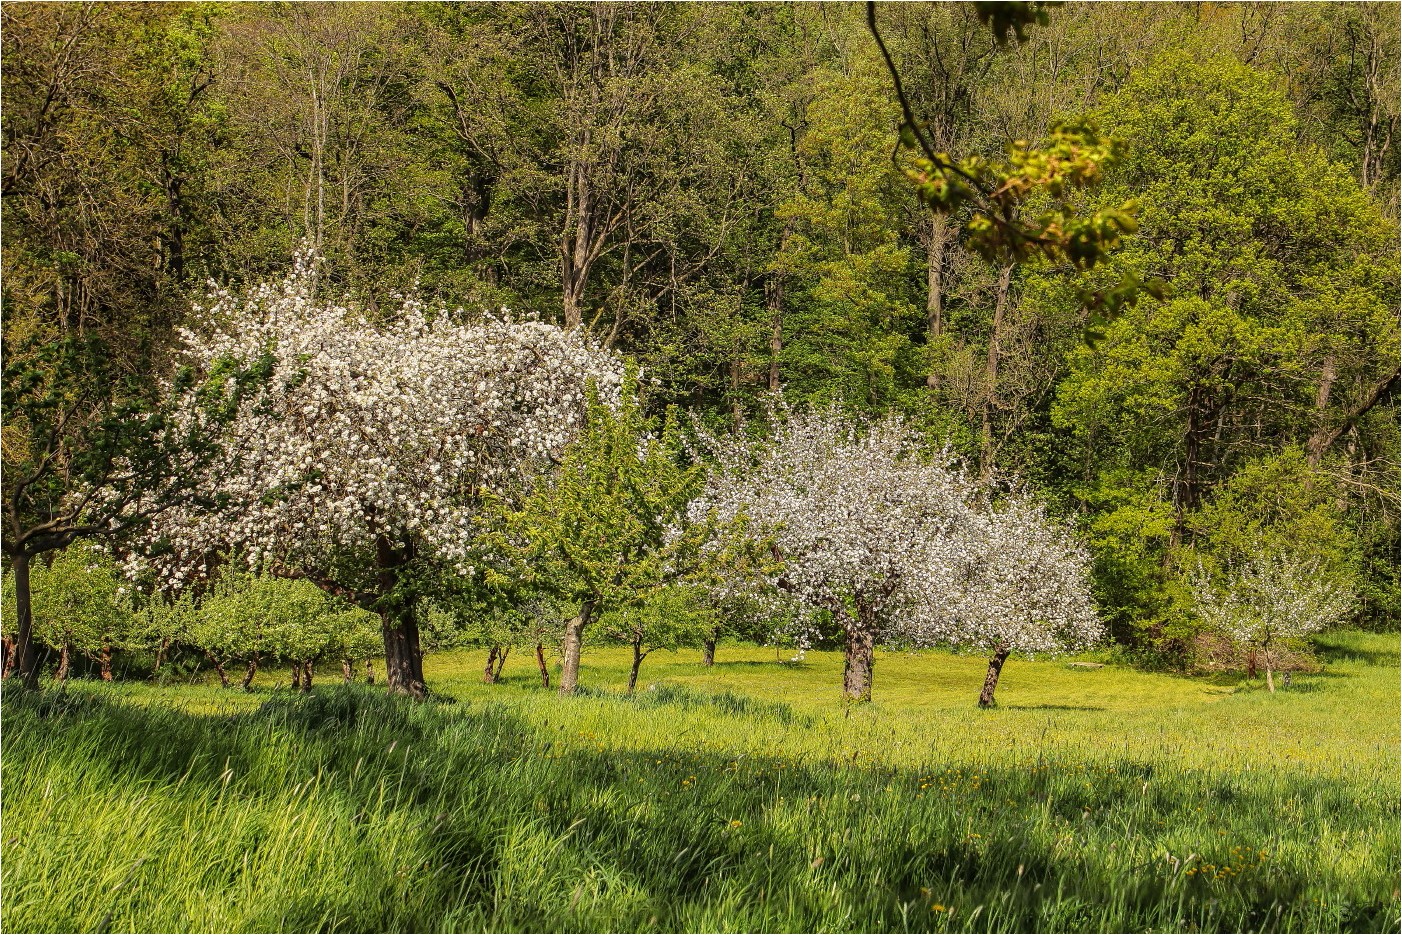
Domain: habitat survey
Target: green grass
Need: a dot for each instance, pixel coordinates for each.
(741, 798)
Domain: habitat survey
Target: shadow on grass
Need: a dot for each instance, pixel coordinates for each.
(515, 827)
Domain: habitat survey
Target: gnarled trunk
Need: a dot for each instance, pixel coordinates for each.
(990, 681)
(708, 648)
(540, 662)
(251, 671)
(404, 660)
(858, 660)
(62, 674)
(574, 642)
(489, 674)
(105, 662)
(219, 668)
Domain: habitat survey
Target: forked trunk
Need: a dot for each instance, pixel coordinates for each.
(25, 650)
(574, 642)
(540, 661)
(501, 663)
(990, 681)
(218, 667)
(638, 656)
(857, 662)
(251, 671)
(489, 674)
(306, 675)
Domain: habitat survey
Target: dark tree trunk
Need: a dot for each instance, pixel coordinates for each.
(62, 674)
(251, 671)
(306, 675)
(858, 662)
(25, 651)
(501, 663)
(347, 671)
(404, 660)
(161, 653)
(708, 648)
(540, 661)
(489, 674)
(105, 662)
(218, 667)
(369, 672)
(574, 641)
(296, 676)
(990, 681)
(638, 656)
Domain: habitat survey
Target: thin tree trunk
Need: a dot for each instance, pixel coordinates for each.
(489, 674)
(105, 661)
(638, 655)
(347, 671)
(218, 667)
(990, 681)
(501, 663)
(251, 671)
(62, 674)
(1270, 677)
(708, 648)
(540, 661)
(369, 672)
(574, 641)
(990, 371)
(934, 297)
(9, 651)
(858, 661)
(306, 675)
(296, 676)
(161, 653)
(25, 650)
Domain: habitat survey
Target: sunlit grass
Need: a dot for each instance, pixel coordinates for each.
(741, 797)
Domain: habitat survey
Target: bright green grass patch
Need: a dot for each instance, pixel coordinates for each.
(740, 798)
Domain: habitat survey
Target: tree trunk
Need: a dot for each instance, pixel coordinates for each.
(638, 655)
(489, 674)
(369, 672)
(708, 648)
(25, 651)
(161, 653)
(858, 661)
(934, 297)
(62, 674)
(990, 681)
(250, 672)
(9, 650)
(296, 676)
(347, 672)
(1270, 679)
(105, 661)
(574, 641)
(540, 661)
(306, 675)
(218, 667)
(404, 660)
(990, 370)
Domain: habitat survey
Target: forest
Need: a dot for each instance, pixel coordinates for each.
(850, 347)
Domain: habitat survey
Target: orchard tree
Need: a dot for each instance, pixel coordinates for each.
(672, 618)
(1022, 586)
(614, 524)
(364, 462)
(866, 527)
(1267, 600)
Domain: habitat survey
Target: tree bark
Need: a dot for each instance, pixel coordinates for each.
(708, 648)
(574, 641)
(369, 672)
(934, 298)
(306, 675)
(105, 662)
(296, 676)
(990, 681)
(25, 650)
(638, 656)
(990, 370)
(218, 667)
(62, 674)
(251, 671)
(1270, 675)
(347, 672)
(404, 661)
(1325, 436)
(858, 662)
(489, 674)
(9, 650)
(540, 661)
(501, 664)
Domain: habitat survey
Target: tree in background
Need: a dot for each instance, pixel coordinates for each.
(363, 465)
(674, 617)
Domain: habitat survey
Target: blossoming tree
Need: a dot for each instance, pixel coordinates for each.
(1266, 600)
(1020, 584)
(866, 528)
(365, 459)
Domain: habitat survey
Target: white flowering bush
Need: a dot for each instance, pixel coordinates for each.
(1266, 600)
(361, 463)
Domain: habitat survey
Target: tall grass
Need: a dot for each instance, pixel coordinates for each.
(683, 809)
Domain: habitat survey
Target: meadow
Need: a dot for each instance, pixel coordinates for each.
(744, 797)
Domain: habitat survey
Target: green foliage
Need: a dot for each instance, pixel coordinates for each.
(81, 601)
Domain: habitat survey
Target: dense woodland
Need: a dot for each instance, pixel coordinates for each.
(715, 192)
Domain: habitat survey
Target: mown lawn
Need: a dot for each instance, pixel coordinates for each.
(745, 797)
